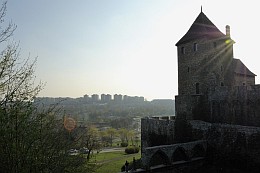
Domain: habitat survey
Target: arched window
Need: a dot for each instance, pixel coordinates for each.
(197, 88)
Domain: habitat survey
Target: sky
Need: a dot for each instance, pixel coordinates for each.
(122, 46)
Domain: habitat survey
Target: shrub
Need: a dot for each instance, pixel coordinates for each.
(124, 144)
(132, 150)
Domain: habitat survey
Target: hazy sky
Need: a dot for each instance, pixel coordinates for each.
(122, 46)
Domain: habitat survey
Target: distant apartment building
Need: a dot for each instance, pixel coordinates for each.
(118, 98)
(131, 99)
(95, 98)
(105, 98)
(86, 98)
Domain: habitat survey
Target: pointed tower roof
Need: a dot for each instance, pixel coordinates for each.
(202, 27)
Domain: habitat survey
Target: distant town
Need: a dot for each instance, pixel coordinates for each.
(103, 108)
(103, 98)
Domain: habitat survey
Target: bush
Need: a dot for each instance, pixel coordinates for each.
(124, 144)
(132, 150)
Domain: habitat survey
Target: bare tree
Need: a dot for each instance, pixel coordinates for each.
(31, 140)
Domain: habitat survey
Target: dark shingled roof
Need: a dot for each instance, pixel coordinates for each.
(202, 27)
(240, 68)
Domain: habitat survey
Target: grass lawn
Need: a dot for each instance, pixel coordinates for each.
(111, 162)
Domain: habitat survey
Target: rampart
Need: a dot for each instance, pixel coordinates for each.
(157, 131)
(232, 105)
(230, 143)
(226, 142)
(236, 105)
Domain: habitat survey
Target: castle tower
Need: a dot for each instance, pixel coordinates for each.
(205, 66)
(205, 55)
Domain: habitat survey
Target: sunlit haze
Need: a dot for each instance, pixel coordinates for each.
(122, 46)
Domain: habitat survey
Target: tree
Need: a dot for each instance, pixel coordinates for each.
(89, 138)
(123, 135)
(104, 138)
(131, 135)
(31, 140)
(111, 132)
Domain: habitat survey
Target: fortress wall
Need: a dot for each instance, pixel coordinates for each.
(185, 104)
(229, 141)
(157, 131)
(236, 105)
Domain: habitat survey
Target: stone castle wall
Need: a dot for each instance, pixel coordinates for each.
(225, 141)
(157, 131)
(229, 142)
(233, 105)
(236, 105)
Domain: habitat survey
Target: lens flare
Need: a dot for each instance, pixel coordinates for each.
(227, 41)
(69, 124)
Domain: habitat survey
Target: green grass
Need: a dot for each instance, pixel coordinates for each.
(111, 162)
(102, 157)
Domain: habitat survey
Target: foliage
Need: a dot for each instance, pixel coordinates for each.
(112, 133)
(124, 144)
(104, 138)
(131, 136)
(123, 134)
(88, 136)
(31, 140)
(132, 150)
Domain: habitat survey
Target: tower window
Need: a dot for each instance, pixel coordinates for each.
(182, 50)
(195, 47)
(188, 69)
(221, 84)
(215, 44)
(197, 88)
